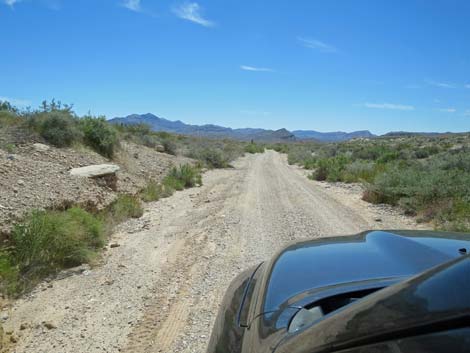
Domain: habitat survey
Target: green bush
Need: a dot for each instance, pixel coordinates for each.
(134, 129)
(170, 146)
(171, 183)
(99, 135)
(9, 118)
(57, 127)
(310, 163)
(125, 207)
(186, 175)
(50, 240)
(298, 154)
(360, 171)
(280, 147)
(254, 148)
(330, 169)
(9, 147)
(155, 191)
(9, 274)
(141, 134)
(211, 157)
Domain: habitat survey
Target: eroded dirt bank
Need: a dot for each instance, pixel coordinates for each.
(159, 290)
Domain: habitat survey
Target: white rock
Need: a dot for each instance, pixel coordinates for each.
(96, 170)
(40, 147)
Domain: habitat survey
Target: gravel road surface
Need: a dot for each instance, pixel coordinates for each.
(160, 284)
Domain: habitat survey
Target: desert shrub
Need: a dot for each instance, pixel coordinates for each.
(9, 147)
(299, 154)
(152, 192)
(9, 274)
(211, 157)
(370, 152)
(388, 157)
(449, 161)
(124, 207)
(456, 217)
(155, 191)
(418, 187)
(179, 178)
(171, 183)
(330, 169)
(163, 135)
(7, 107)
(372, 195)
(141, 134)
(8, 118)
(425, 152)
(99, 135)
(47, 241)
(280, 147)
(57, 127)
(148, 141)
(187, 176)
(321, 171)
(360, 171)
(134, 129)
(254, 148)
(231, 150)
(170, 146)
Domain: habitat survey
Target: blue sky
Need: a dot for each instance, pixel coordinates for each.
(325, 65)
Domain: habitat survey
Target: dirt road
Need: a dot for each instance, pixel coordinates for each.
(159, 290)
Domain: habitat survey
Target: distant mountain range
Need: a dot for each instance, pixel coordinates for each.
(247, 134)
(331, 136)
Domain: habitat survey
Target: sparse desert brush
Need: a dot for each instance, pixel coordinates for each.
(9, 274)
(211, 157)
(330, 169)
(360, 171)
(8, 118)
(47, 241)
(297, 154)
(425, 176)
(254, 148)
(99, 135)
(170, 146)
(57, 127)
(279, 147)
(152, 192)
(124, 207)
(185, 176)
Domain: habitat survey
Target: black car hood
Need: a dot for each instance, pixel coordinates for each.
(435, 301)
(376, 255)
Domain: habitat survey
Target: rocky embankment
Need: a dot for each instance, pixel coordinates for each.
(37, 176)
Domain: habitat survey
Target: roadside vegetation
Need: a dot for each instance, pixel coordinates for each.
(428, 177)
(254, 148)
(57, 124)
(48, 241)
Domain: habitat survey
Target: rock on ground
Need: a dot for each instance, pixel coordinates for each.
(96, 170)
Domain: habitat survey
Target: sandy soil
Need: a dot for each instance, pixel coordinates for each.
(159, 290)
